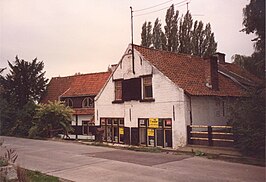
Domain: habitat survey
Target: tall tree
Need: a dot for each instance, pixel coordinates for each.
(25, 82)
(185, 34)
(157, 35)
(248, 116)
(171, 28)
(197, 38)
(182, 36)
(209, 45)
(254, 22)
(146, 34)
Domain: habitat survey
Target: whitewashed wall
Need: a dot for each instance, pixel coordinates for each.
(80, 119)
(209, 110)
(167, 95)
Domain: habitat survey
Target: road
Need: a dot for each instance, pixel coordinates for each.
(84, 163)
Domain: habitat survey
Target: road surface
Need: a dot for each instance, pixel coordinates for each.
(84, 163)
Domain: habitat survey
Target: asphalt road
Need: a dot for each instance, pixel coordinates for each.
(80, 163)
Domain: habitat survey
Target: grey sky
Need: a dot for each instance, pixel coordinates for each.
(85, 36)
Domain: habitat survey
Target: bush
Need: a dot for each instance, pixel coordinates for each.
(248, 121)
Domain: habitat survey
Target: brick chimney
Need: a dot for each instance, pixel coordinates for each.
(221, 57)
(211, 73)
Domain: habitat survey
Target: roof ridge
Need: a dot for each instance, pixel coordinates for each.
(169, 52)
(84, 74)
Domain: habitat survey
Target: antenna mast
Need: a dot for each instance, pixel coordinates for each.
(132, 43)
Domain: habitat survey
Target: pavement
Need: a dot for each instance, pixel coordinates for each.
(83, 163)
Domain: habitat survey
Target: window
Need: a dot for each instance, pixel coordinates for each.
(131, 89)
(147, 87)
(69, 102)
(118, 90)
(88, 102)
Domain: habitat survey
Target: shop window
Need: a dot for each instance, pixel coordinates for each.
(147, 87)
(118, 90)
(114, 129)
(88, 102)
(115, 122)
(121, 122)
(69, 102)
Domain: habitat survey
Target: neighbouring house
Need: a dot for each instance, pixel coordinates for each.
(152, 96)
(78, 92)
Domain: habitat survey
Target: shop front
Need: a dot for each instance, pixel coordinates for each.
(155, 132)
(113, 130)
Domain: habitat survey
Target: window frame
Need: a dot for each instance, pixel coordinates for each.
(120, 90)
(89, 100)
(67, 101)
(144, 97)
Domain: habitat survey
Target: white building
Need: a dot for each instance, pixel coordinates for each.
(151, 98)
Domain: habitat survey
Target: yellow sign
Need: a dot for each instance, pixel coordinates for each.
(153, 123)
(121, 131)
(150, 132)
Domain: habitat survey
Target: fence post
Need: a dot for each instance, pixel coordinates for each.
(210, 136)
(189, 134)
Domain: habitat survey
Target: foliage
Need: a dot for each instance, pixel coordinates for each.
(248, 115)
(248, 121)
(51, 116)
(25, 82)
(38, 176)
(19, 91)
(181, 35)
(171, 28)
(158, 37)
(254, 22)
(199, 153)
(146, 35)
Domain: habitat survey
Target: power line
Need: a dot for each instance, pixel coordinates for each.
(185, 1)
(152, 6)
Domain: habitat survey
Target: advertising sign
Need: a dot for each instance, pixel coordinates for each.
(121, 131)
(150, 132)
(153, 122)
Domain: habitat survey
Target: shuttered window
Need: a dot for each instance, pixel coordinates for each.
(131, 89)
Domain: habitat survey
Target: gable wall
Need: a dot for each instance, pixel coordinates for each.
(170, 101)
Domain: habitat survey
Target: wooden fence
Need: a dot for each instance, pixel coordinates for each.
(210, 135)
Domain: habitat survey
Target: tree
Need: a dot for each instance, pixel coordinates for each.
(157, 35)
(20, 90)
(209, 45)
(146, 35)
(25, 82)
(181, 35)
(51, 116)
(171, 28)
(248, 116)
(254, 22)
(185, 34)
(248, 121)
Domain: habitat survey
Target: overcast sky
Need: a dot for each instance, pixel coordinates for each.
(85, 36)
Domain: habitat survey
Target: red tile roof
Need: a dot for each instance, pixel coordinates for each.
(188, 72)
(75, 86)
(83, 111)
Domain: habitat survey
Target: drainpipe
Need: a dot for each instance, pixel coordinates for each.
(76, 126)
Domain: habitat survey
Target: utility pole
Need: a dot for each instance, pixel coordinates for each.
(132, 43)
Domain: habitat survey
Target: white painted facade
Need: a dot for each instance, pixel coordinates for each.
(170, 101)
(80, 119)
(210, 110)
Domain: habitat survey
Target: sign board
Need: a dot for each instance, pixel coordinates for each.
(153, 122)
(150, 132)
(121, 131)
